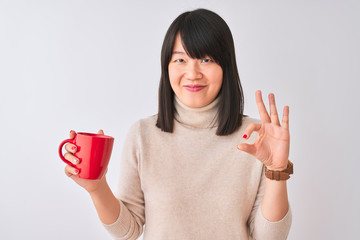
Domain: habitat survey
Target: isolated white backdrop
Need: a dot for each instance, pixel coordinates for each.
(86, 65)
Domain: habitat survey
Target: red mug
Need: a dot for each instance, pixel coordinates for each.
(93, 152)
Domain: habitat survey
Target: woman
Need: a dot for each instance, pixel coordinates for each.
(182, 175)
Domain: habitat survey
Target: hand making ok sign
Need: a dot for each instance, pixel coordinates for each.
(272, 144)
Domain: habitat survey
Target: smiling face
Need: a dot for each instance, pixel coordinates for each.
(196, 82)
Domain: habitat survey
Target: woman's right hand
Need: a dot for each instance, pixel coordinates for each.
(88, 184)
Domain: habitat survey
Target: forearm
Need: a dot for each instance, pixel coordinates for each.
(275, 202)
(106, 204)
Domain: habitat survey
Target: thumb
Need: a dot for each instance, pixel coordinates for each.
(72, 134)
(248, 148)
(101, 132)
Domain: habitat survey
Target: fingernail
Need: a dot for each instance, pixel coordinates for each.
(73, 148)
(76, 171)
(75, 160)
(245, 136)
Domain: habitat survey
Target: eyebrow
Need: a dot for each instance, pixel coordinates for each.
(178, 52)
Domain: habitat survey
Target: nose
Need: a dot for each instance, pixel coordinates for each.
(193, 71)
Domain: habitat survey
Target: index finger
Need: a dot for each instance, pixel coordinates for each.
(261, 107)
(71, 147)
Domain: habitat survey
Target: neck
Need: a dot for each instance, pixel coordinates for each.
(204, 117)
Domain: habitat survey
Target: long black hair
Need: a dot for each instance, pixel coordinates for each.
(203, 33)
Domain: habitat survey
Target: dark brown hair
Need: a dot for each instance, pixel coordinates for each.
(203, 33)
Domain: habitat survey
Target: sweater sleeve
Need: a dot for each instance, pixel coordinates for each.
(129, 224)
(260, 227)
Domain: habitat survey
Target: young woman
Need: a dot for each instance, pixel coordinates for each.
(196, 170)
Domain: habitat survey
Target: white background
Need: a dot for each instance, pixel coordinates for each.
(86, 65)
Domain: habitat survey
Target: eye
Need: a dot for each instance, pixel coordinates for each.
(206, 60)
(180, 60)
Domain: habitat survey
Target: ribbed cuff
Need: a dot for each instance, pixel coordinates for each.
(265, 229)
(123, 223)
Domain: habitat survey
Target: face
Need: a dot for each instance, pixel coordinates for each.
(196, 82)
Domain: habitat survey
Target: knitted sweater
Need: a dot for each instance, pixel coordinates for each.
(191, 184)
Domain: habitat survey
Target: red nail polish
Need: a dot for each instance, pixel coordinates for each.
(73, 148)
(245, 136)
(76, 171)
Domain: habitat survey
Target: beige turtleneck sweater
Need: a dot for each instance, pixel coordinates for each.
(191, 184)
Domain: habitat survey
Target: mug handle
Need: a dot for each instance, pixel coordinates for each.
(60, 151)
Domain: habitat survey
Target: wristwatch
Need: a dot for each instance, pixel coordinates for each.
(280, 175)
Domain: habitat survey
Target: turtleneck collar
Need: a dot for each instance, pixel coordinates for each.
(204, 117)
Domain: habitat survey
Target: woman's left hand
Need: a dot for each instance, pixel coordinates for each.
(272, 144)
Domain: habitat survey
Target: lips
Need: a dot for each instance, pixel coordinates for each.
(194, 88)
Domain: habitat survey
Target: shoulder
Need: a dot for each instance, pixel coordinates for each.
(144, 125)
(140, 130)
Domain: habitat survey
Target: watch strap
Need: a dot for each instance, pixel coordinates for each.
(280, 175)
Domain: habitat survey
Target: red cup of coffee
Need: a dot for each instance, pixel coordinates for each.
(93, 152)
